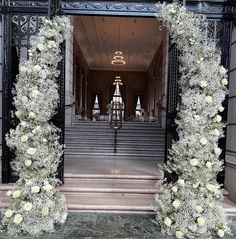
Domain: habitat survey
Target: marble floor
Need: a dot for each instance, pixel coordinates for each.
(107, 226)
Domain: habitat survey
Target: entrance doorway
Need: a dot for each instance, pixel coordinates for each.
(130, 174)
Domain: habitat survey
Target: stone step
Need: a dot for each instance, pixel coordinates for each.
(125, 124)
(122, 140)
(111, 202)
(112, 154)
(113, 176)
(111, 131)
(107, 129)
(104, 148)
(119, 144)
(118, 185)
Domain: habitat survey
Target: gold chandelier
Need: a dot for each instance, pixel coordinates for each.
(118, 59)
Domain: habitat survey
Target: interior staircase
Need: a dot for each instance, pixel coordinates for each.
(124, 181)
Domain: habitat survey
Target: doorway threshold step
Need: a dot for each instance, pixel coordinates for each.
(110, 202)
(157, 176)
(133, 186)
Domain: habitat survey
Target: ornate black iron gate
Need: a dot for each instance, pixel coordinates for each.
(21, 20)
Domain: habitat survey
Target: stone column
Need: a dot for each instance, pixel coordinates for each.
(230, 170)
(69, 94)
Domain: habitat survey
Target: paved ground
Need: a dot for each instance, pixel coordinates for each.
(106, 226)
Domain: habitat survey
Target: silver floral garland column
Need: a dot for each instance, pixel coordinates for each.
(36, 203)
(190, 207)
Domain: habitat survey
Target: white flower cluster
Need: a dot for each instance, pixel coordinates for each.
(190, 206)
(36, 201)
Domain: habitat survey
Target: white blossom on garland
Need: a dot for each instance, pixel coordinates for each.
(190, 206)
(36, 203)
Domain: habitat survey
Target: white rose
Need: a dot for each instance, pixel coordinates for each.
(18, 113)
(209, 165)
(47, 187)
(23, 69)
(197, 117)
(44, 74)
(45, 211)
(221, 108)
(23, 123)
(28, 206)
(199, 209)
(24, 138)
(203, 141)
(216, 132)
(167, 221)
(174, 189)
(224, 82)
(191, 41)
(208, 99)
(202, 190)
(172, 10)
(31, 115)
(176, 204)
(222, 70)
(203, 83)
(31, 151)
(181, 182)
(195, 185)
(38, 127)
(24, 99)
(35, 93)
(217, 151)
(201, 221)
(220, 233)
(45, 182)
(28, 162)
(37, 68)
(179, 234)
(194, 162)
(211, 205)
(16, 194)
(17, 219)
(51, 44)
(9, 213)
(9, 193)
(35, 189)
(210, 188)
(40, 46)
(217, 119)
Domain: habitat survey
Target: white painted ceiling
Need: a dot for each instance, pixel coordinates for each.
(98, 37)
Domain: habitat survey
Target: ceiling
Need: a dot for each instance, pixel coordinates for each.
(98, 38)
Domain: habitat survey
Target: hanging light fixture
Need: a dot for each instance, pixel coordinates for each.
(118, 59)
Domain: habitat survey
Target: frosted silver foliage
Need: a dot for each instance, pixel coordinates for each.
(190, 206)
(36, 203)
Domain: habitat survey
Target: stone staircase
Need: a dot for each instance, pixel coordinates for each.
(134, 139)
(117, 182)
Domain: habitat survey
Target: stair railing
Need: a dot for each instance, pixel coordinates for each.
(116, 119)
